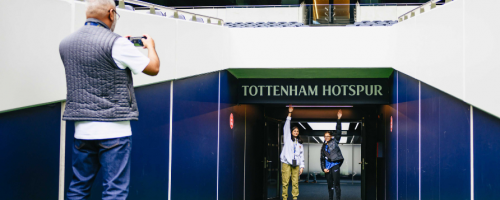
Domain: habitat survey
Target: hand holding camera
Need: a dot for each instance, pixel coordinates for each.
(145, 41)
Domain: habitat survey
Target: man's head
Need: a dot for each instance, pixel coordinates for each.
(104, 10)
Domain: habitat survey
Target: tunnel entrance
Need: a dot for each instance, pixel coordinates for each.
(361, 142)
(317, 95)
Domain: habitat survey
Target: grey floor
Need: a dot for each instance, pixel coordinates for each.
(319, 191)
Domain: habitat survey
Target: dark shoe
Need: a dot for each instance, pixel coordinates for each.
(306, 181)
(315, 182)
(330, 194)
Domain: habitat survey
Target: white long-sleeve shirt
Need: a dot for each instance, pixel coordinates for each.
(287, 154)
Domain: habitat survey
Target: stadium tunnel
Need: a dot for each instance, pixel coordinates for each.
(420, 139)
(412, 120)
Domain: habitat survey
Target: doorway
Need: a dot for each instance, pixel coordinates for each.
(358, 143)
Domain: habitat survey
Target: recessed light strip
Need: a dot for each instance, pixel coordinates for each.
(321, 106)
(302, 126)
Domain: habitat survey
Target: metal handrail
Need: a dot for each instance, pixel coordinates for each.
(147, 4)
(292, 5)
(424, 4)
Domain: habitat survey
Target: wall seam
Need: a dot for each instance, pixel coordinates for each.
(170, 141)
(471, 152)
(62, 153)
(218, 139)
(419, 140)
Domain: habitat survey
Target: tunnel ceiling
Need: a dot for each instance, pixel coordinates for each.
(313, 73)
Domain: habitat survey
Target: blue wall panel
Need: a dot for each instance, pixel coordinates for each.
(430, 142)
(29, 161)
(150, 138)
(412, 134)
(231, 141)
(445, 146)
(486, 156)
(402, 134)
(150, 146)
(194, 137)
(454, 148)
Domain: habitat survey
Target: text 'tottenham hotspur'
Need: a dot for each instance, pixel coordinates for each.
(311, 90)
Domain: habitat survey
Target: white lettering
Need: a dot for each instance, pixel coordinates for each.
(250, 90)
(276, 88)
(333, 90)
(367, 88)
(351, 88)
(244, 89)
(302, 90)
(378, 88)
(358, 89)
(344, 87)
(327, 90)
(284, 90)
(295, 90)
(313, 92)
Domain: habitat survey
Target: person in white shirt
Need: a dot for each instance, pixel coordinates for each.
(292, 157)
(102, 61)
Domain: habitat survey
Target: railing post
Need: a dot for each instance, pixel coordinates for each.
(412, 14)
(433, 5)
(152, 10)
(176, 15)
(422, 10)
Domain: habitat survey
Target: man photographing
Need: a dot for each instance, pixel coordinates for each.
(101, 100)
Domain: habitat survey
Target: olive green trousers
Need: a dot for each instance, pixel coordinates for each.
(287, 171)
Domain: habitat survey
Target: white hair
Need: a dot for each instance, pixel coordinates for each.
(99, 8)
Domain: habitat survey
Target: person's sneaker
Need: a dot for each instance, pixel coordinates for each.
(306, 181)
(315, 182)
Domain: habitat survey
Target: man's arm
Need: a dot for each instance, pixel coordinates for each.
(339, 124)
(153, 68)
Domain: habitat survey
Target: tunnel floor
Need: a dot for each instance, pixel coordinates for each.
(318, 191)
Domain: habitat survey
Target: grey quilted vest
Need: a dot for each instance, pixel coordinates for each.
(97, 89)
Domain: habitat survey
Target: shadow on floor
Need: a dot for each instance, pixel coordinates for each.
(319, 191)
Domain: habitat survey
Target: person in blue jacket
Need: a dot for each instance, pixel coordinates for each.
(292, 157)
(331, 160)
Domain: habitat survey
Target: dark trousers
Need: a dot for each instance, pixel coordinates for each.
(333, 180)
(112, 156)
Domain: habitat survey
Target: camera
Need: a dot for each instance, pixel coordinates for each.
(137, 41)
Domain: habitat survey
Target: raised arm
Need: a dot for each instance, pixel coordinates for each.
(287, 135)
(339, 124)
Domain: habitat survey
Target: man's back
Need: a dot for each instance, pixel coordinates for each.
(97, 89)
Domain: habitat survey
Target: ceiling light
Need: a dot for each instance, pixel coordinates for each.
(302, 126)
(352, 139)
(315, 139)
(345, 126)
(343, 140)
(321, 106)
(322, 139)
(322, 126)
(356, 126)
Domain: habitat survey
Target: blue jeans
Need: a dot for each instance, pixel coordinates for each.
(110, 155)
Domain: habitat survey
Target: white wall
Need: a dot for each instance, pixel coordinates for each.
(454, 48)
(370, 13)
(351, 153)
(309, 47)
(277, 14)
(31, 70)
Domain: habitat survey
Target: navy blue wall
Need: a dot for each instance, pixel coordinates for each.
(29, 162)
(408, 151)
(486, 153)
(231, 141)
(445, 146)
(445, 143)
(194, 137)
(150, 146)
